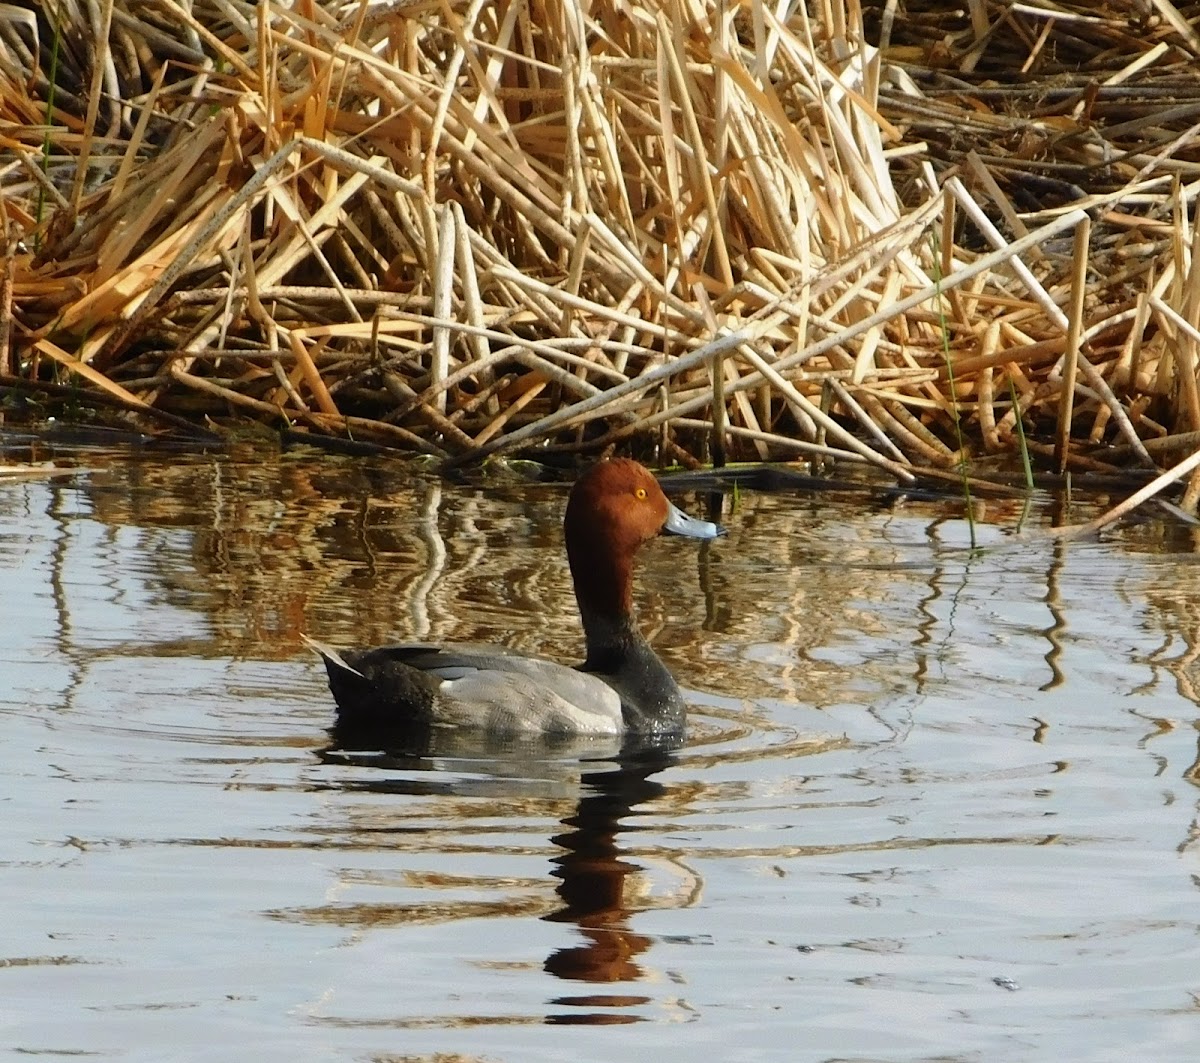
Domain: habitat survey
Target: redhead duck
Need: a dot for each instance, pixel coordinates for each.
(621, 689)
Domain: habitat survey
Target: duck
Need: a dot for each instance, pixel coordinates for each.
(622, 688)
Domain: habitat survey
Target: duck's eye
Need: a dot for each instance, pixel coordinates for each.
(640, 494)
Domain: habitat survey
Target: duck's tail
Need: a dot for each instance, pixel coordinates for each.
(329, 655)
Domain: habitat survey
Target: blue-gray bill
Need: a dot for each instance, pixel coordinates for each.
(679, 523)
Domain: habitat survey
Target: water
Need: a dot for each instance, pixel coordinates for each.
(935, 805)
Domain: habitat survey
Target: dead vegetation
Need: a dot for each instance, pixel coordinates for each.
(879, 231)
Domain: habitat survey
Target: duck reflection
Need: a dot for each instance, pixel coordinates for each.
(593, 873)
(597, 880)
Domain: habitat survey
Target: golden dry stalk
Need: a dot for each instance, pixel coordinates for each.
(472, 228)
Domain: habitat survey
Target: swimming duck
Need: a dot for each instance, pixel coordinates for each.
(621, 688)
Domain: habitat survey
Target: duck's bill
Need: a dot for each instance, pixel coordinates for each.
(679, 523)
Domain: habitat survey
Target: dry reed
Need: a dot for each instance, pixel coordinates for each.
(548, 227)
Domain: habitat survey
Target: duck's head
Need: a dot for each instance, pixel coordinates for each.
(615, 507)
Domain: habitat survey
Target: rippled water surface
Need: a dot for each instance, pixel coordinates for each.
(935, 804)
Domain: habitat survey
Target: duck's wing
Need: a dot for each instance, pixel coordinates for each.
(507, 692)
(480, 686)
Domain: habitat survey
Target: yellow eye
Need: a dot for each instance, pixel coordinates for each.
(640, 494)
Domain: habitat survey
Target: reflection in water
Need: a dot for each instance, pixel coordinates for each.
(593, 887)
(595, 875)
(1057, 628)
(916, 778)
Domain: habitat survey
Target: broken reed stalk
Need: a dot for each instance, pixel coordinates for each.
(944, 264)
(8, 234)
(1154, 487)
(1066, 407)
(479, 232)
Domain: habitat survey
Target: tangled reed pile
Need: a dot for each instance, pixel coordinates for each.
(882, 231)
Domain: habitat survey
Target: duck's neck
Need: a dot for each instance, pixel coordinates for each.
(616, 649)
(607, 634)
(604, 590)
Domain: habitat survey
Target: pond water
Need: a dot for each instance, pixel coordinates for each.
(935, 804)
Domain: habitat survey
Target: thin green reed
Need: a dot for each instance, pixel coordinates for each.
(1016, 408)
(56, 21)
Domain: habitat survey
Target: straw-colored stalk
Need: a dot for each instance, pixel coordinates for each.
(474, 230)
